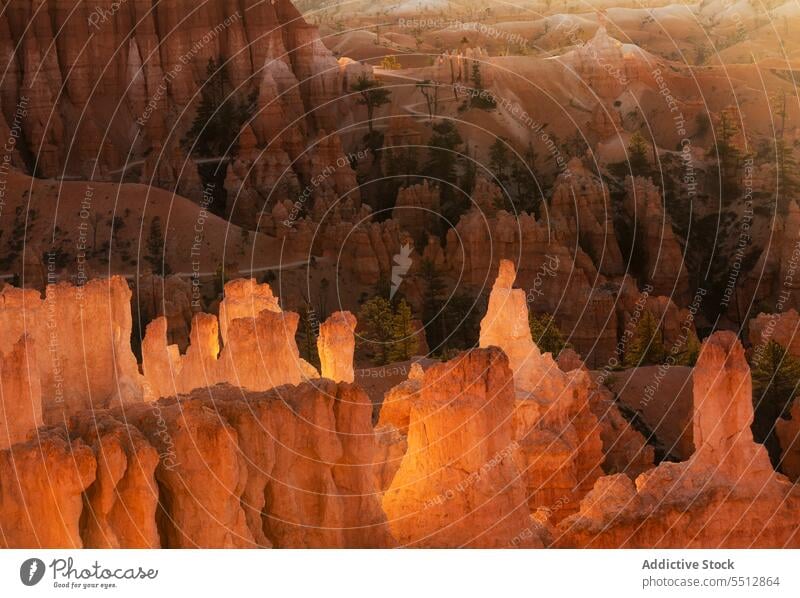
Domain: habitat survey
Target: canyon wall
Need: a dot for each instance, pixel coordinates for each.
(725, 496)
(500, 446)
(292, 467)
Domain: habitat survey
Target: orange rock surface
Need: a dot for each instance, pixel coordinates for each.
(725, 496)
(458, 484)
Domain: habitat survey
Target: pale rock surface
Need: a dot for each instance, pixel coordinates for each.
(244, 298)
(293, 467)
(336, 344)
(81, 349)
(460, 452)
(258, 350)
(42, 507)
(560, 446)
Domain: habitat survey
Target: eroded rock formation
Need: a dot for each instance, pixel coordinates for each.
(291, 467)
(461, 450)
(336, 345)
(560, 445)
(725, 495)
(252, 346)
(79, 350)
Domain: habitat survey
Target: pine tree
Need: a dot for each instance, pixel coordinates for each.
(461, 321)
(404, 341)
(479, 99)
(378, 321)
(689, 352)
(788, 175)
(467, 183)
(307, 335)
(430, 91)
(727, 154)
(776, 375)
(442, 166)
(498, 160)
(645, 347)
(546, 334)
(155, 248)
(373, 95)
(220, 114)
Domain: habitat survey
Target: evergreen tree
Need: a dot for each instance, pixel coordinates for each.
(307, 335)
(498, 160)
(378, 321)
(443, 167)
(155, 248)
(479, 99)
(373, 95)
(523, 177)
(645, 347)
(776, 374)
(220, 114)
(467, 183)
(689, 352)
(430, 91)
(727, 154)
(432, 298)
(404, 341)
(546, 334)
(788, 175)
(461, 321)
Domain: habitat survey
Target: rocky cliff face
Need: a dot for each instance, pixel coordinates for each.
(497, 447)
(251, 346)
(725, 495)
(559, 436)
(78, 348)
(289, 468)
(106, 85)
(461, 449)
